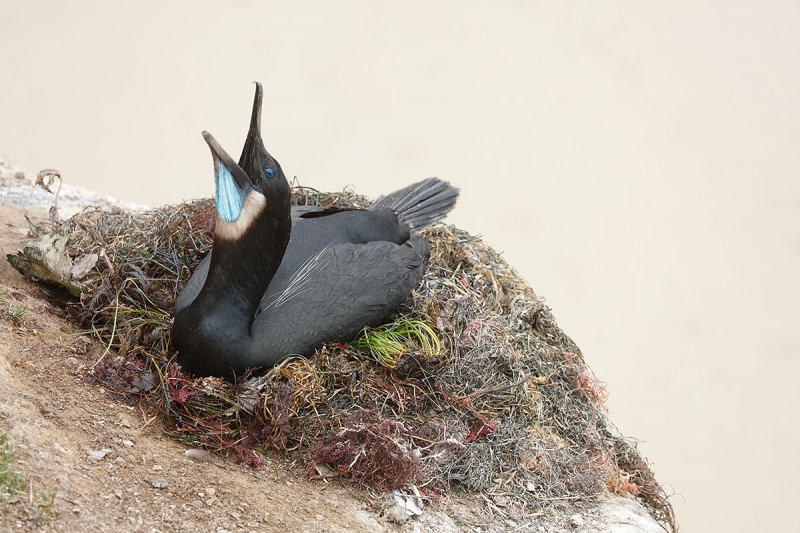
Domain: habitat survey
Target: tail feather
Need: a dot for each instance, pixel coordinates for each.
(420, 204)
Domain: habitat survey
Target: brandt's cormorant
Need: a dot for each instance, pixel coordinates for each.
(283, 280)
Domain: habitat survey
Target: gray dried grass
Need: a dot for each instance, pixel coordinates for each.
(509, 409)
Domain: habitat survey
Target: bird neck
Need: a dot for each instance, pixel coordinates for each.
(243, 263)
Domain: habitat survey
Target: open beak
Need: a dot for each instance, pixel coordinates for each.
(233, 183)
(253, 143)
(222, 159)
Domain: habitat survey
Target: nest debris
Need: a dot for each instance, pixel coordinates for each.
(508, 408)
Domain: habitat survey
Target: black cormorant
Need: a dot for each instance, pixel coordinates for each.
(282, 280)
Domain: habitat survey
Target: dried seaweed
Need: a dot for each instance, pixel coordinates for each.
(509, 408)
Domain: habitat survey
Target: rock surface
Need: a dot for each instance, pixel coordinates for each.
(112, 470)
(18, 188)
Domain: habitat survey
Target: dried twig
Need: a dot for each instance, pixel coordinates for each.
(50, 175)
(501, 388)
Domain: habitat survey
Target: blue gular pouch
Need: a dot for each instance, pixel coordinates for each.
(230, 198)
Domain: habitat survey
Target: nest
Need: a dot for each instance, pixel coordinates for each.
(505, 407)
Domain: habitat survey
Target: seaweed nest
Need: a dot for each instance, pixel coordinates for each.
(479, 391)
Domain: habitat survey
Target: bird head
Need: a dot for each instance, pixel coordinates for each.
(245, 190)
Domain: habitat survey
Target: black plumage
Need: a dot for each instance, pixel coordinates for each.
(282, 281)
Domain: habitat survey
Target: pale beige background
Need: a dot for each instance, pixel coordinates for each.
(636, 161)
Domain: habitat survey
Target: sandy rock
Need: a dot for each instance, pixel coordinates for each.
(84, 424)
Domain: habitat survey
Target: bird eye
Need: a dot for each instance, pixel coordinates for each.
(270, 173)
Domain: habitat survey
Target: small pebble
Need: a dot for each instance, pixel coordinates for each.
(95, 455)
(60, 448)
(197, 454)
(396, 513)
